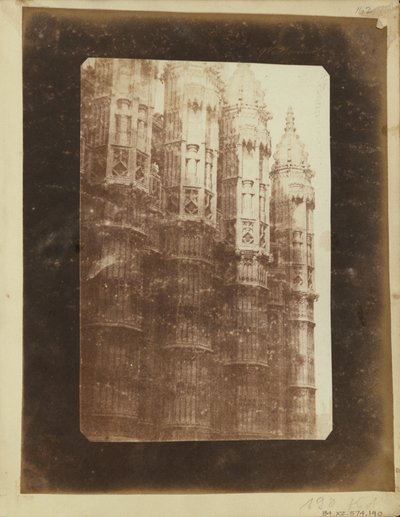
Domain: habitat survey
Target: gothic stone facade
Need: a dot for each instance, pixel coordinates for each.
(197, 259)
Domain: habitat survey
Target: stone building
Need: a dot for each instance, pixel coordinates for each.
(197, 259)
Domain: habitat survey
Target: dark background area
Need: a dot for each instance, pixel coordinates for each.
(56, 457)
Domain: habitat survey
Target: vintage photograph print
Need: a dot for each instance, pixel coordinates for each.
(206, 277)
(205, 251)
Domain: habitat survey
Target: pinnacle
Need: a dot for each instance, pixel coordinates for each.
(243, 86)
(290, 127)
(290, 149)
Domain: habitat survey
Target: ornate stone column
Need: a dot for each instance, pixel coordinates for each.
(115, 243)
(247, 360)
(191, 153)
(293, 273)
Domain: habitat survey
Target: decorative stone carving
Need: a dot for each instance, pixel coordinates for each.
(195, 105)
(191, 201)
(310, 258)
(120, 162)
(249, 145)
(141, 164)
(263, 235)
(209, 169)
(207, 205)
(298, 281)
(310, 278)
(247, 232)
(124, 104)
(298, 197)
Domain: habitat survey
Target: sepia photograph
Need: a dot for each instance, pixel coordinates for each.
(201, 262)
(205, 274)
